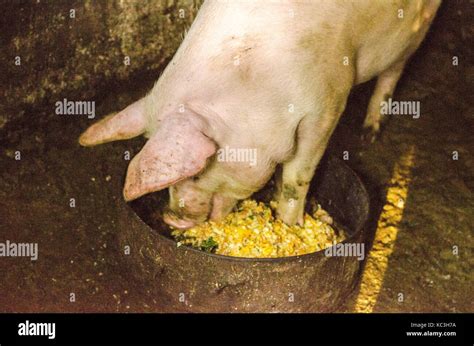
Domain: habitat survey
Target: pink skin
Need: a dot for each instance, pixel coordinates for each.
(178, 156)
(250, 75)
(176, 222)
(188, 205)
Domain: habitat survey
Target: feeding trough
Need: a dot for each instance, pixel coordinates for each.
(186, 279)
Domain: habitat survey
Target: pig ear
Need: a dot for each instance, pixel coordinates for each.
(178, 150)
(126, 124)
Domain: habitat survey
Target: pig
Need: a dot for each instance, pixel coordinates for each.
(268, 76)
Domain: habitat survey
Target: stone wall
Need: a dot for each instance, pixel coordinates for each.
(56, 49)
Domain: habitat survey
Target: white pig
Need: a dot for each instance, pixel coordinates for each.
(272, 77)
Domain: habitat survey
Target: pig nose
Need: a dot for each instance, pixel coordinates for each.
(172, 220)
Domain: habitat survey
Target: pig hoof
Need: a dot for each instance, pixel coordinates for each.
(175, 222)
(290, 218)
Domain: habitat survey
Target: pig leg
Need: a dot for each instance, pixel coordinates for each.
(278, 180)
(388, 79)
(312, 136)
(384, 88)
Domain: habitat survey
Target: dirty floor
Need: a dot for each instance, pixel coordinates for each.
(64, 197)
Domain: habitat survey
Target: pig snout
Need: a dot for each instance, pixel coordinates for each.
(191, 205)
(174, 221)
(188, 205)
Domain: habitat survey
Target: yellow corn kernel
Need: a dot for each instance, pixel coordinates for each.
(253, 231)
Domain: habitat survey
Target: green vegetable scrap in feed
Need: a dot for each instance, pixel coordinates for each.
(209, 245)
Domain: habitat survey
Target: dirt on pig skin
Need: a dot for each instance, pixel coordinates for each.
(64, 197)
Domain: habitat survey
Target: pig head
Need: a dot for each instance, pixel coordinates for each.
(178, 150)
(270, 78)
(180, 154)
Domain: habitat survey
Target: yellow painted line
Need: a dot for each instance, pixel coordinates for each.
(386, 233)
